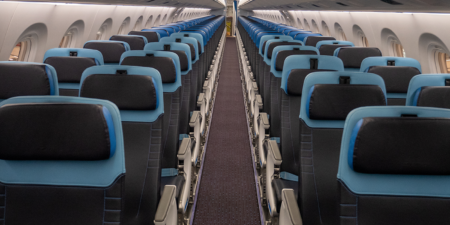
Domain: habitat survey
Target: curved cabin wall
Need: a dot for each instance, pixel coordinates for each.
(420, 34)
(45, 24)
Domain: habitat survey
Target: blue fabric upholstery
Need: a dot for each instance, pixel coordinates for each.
(197, 36)
(134, 115)
(269, 37)
(333, 78)
(266, 58)
(390, 184)
(100, 173)
(161, 33)
(382, 61)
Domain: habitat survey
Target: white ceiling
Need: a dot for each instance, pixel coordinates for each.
(211, 4)
(351, 5)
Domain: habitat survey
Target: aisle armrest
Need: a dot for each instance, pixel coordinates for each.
(289, 213)
(166, 214)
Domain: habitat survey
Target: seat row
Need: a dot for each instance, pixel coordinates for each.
(135, 116)
(329, 149)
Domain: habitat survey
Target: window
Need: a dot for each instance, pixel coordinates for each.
(149, 22)
(397, 49)
(326, 30)
(306, 25)
(124, 26)
(156, 23)
(163, 21)
(443, 62)
(19, 52)
(339, 32)
(360, 37)
(364, 41)
(315, 27)
(137, 26)
(68, 41)
(299, 23)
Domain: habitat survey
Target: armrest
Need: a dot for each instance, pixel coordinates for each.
(206, 84)
(273, 150)
(166, 214)
(260, 103)
(264, 120)
(290, 213)
(209, 74)
(201, 96)
(255, 86)
(185, 146)
(196, 118)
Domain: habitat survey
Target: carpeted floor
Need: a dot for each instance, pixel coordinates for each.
(227, 193)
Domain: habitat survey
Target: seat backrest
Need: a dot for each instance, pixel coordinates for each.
(328, 47)
(296, 69)
(268, 55)
(137, 92)
(393, 166)
(150, 35)
(327, 99)
(182, 50)
(70, 64)
(313, 40)
(61, 155)
(197, 36)
(162, 33)
(429, 90)
(397, 72)
(136, 42)
(266, 38)
(280, 54)
(111, 50)
(24, 79)
(169, 67)
(192, 42)
(303, 36)
(354, 56)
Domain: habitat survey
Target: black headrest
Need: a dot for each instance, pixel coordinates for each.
(434, 97)
(396, 78)
(70, 69)
(276, 44)
(55, 132)
(183, 59)
(136, 43)
(313, 40)
(111, 51)
(20, 79)
(402, 145)
(336, 101)
(164, 65)
(296, 78)
(150, 35)
(353, 56)
(264, 47)
(199, 47)
(128, 92)
(191, 46)
(329, 49)
(282, 55)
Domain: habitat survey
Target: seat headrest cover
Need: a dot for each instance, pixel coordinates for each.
(396, 78)
(296, 79)
(329, 49)
(183, 59)
(128, 92)
(111, 50)
(70, 69)
(282, 55)
(313, 40)
(400, 145)
(151, 36)
(434, 96)
(56, 132)
(276, 44)
(21, 79)
(135, 42)
(164, 65)
(353, 56)
(336, 101)
(345, 43)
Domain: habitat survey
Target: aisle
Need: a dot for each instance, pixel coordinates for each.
(227, 193)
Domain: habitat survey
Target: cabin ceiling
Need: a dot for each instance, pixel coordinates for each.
(350, 5)
(211, 4)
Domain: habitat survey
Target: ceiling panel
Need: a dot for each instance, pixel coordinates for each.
(167, 3)
(351, 5)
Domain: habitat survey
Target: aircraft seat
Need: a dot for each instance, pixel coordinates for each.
(136, 42)
(313, 40)
(151, 36)
(354, 56)
(111, 50)
(328, 47)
